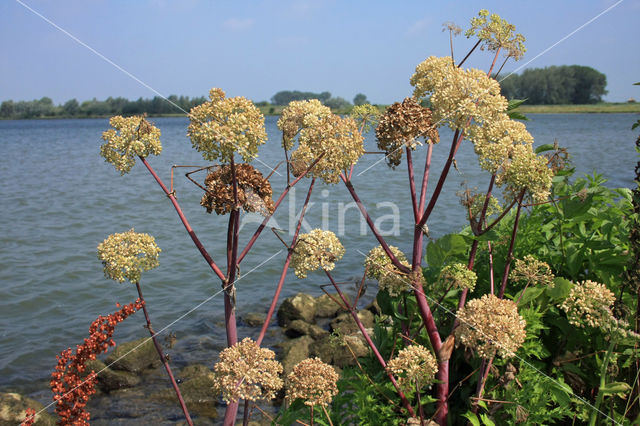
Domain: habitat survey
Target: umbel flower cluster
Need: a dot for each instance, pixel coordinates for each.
(312, 381)
(390, 278)
(469, 98)
(130, 138)
(458, 275)
(223, 126)
(589, 305)
(317, 249)
(414, 366)
(401, 125)
(70, 383)
(496, 33)
(457, 95)
(532, 271)
(126, 255)
(491, 326)
(320, 133)
(247, 371)
(254, 191)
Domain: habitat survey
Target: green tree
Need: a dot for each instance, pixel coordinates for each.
(71, 107)
(360, 99)
(6, 109)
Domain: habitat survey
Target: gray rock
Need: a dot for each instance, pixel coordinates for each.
(299, 328)
(134, 356)
(254, 319)
(301, 306)
(344, 324)
(110, 380)
(198, 393)
(339, 351)
(13, 408)
(294, 351)
(193, 371)
(328, 308)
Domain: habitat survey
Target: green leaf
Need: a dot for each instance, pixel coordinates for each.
(473, 419)
(545, 147)
(486, 420)
(561, 392)
(614, 388)
(445, 248)
(532, 293)
(560, 290)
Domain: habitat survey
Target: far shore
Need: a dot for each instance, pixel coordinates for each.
(275, 110)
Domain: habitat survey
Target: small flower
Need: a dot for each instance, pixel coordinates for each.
(254, 191)
(247, 371)
(414, 365)
(298, 115)
(526, 171)
(127, 255)
(532, 271)
(380, 267)
(223, 126)
(401, 125)
(458, 275)
(313, 381)
(317, 249)
(130, 138)
(365, 115)
(491, 326)
(589, 305)
(497, 33)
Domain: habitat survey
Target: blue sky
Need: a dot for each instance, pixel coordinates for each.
(256, 48)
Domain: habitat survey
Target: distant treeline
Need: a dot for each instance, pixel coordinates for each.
(45, 108)
(567, 84)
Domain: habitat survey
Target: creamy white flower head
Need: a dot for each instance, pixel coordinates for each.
(126, 255)
(457, 95)
(491, 326)
(414, 365)
(317, 249)
(495, 33)
(224, 126)
(130, 137)
(247, 371)
(380, 267)
(313, 381)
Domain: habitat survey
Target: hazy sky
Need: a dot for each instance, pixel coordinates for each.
(256, 48)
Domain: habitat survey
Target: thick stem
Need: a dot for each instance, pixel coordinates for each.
(412, 184)
(457, 139)
(285, 267)
(373, 228)
(245, 416)
(275, 207)
(163, 358)
(495, 58)
(482, 380)
(190, 231)
(507, 266)
(425, 178)
(372, 345)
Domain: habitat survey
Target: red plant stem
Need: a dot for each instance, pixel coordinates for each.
(482, 380)
(163, 358)
(372, 226)
(412, 184)
(507, 266)
(285, 267)
(498, 219)
(470, 52)
(495, 58)
(457, 140)
(275, 207)
(372, 345)
(442, 376)
(190, 231)
(425, 179)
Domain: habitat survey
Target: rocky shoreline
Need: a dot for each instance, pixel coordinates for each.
(133, 390)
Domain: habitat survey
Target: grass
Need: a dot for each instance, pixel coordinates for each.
(627, 107)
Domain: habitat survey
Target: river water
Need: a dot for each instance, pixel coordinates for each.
(60, 200)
